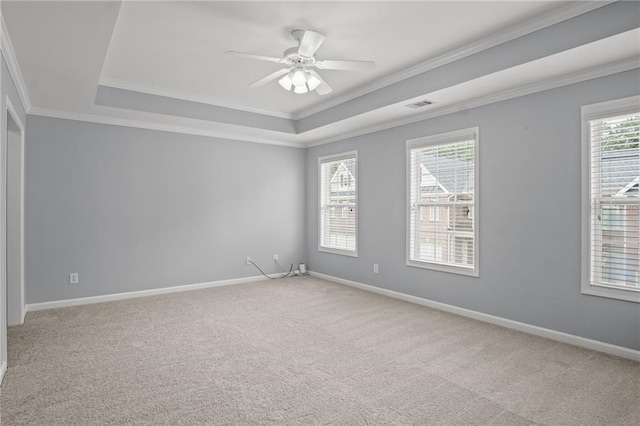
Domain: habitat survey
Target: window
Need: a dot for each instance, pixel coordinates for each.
(338, 192)
(434, 214)
(442, 176)
(610, 201)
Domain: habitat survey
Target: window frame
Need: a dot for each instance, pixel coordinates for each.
(434, 213)
(441, 139)
(332, 158)
(599, 111)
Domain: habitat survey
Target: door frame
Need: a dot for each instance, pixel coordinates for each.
(10, 110)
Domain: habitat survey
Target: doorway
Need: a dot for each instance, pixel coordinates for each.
(15, 218)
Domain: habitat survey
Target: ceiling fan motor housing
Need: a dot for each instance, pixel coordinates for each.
(292, 57)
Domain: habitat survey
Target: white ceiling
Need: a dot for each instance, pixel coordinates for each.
(178, 48)
(65, 50)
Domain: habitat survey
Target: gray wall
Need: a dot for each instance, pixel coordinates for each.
(530, 214)
(133, 209)
(7, 90)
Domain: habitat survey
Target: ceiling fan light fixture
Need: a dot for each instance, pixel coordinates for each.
(312, 81)
(286, 82)
(298, 78)
(301, 89)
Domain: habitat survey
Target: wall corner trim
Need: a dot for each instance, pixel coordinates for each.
(558, 336)
(14, 68)
(32, 307)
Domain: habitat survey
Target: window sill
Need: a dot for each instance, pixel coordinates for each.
(445, 268)
(611, 293)
(337, 251)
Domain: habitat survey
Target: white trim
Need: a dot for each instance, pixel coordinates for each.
(339, 156)
(32, 307)
(568, 11)
(340, 252)
(332, 158)
(438, 139)
(552, 83)
(445, 138)
(589, 113)
(175, 94)
(558, 336)
(610, 292)
(3, 369)
(16, 118)
(611, 108)
(451, 269)
(14, 68)
(100, 119)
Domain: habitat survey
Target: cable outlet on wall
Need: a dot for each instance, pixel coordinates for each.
(275, 257)
(73, 278)
(375, 268)
(248, 260)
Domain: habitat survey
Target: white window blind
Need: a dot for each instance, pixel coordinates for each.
(338, 204)
(614, 163)
(442, 173)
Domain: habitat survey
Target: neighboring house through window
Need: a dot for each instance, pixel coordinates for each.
(338, 193)
(442, 175)
(610, 201)
(434, 213)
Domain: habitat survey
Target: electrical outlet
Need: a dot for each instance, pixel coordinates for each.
(249, 260)
(375, 268)
(275, 257)
(73, 278)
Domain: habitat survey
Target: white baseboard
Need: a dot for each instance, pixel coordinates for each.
(503, 322)
(31, 307)
(3, 369)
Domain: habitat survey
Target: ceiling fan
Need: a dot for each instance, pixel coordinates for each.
(300, 61)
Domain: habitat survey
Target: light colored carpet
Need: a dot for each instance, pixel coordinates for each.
(300, 351)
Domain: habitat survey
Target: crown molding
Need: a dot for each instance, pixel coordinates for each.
(552, 83)
(123, 122)
(563, 13)
(157, 91)
(12, 63)
(608, 69)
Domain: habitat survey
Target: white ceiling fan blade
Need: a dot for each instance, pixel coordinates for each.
(252, 56)
(323, 88)
(310, 42)
(269, 78)
(346, 65)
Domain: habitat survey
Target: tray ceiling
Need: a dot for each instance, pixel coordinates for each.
(161, 64)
